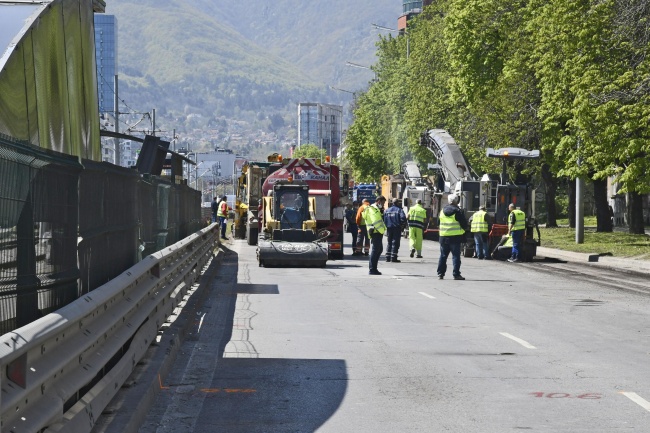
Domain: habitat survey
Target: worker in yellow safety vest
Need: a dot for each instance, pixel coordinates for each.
(480, 226)
(374, 219)
(453, 226)
(416, 218)
(516, 228)
(222, 214)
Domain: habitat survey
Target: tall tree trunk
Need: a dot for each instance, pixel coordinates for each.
(635, 213)
(550, 186)
(571, 211)
(603, 217)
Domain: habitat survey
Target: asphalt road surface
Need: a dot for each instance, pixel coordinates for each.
(542, 346)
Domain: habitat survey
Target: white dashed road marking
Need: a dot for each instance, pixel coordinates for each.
(518, 340)
(637, 399)
(427, 295)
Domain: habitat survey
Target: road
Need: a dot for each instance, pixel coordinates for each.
(548, 347)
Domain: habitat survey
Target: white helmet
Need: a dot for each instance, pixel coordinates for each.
(453, 199)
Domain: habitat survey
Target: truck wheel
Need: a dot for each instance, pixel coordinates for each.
(251, 235)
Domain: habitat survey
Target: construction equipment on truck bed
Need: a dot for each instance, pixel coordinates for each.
(455, 176)
(410, 186)
(290, 236)
(248, 200)
(323, 180)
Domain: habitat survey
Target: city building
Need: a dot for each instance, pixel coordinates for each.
(321, 125)
(106, 56)
(410, 9)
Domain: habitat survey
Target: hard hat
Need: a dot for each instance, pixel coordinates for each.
(482, 207)
(453, 199)
(511, 206)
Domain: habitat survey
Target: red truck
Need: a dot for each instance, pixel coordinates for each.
(324, 186)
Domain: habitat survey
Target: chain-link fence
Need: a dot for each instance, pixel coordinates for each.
(67, 227)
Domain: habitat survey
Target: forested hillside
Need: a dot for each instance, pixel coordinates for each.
(223, 58)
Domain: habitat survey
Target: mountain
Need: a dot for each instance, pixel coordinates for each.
(224, 58)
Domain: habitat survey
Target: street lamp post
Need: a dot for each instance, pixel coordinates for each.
(408, 42)
(341, 90)
(355, 65)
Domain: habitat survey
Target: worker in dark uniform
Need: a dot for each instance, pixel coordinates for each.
(351, 225)
(453, 226)
(395, 220)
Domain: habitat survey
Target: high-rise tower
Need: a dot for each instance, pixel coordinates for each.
(410, 8)
(106, 57)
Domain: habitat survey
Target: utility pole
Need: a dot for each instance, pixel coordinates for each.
(117, 153)
(153, 122)
(580, 208)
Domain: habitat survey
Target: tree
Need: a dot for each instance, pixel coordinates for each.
(308, 151)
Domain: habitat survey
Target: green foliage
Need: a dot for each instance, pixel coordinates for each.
(308, 151)
(568, 77)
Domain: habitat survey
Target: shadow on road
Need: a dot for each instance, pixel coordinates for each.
(251, 394)
(273, 395)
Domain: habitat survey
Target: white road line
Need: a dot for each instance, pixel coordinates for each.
(427, 295)
(637, 399)
(518, 340)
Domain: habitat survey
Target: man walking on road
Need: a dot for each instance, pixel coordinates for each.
(480, 226)
(516, 228)
(453, 226)
(376, 229)
(417, 216)
(352, 227)
(222, 213)
(214, 206)
(395, 220)
(363, 242)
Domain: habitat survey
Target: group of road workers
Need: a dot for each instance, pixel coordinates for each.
(369, 223)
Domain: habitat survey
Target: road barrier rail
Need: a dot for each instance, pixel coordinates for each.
(60, 372)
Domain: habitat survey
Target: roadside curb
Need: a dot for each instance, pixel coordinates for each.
(638, 267)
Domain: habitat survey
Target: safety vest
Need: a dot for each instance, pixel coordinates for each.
(417, 216)
(508, 242)
(449, 226)
(374, 219)
(222, 210)
(479, 225)
(520, 220)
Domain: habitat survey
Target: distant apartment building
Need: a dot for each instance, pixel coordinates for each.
(106, 57)
(410, 9)
(321, 125)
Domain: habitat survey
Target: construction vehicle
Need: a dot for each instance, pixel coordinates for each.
(410, 186)
(290, 236)
(248, 200)
(455, 176)
(364, 191)
(323, 181)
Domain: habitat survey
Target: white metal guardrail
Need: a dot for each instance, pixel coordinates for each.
(60, 372)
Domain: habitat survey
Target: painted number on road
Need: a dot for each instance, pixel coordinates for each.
(587, 396)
